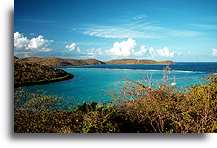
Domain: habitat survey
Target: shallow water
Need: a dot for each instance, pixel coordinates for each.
(99, 84)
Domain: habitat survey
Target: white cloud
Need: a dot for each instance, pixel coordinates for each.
(37, 43)
(127, 48)
(165, 52)
(142, 51)
(112, 32)
(20, 41)
(73, 47)
(146, 51)
(132, 30)
(152, 52)
(214, 52)
(124, 48)
(139, 27)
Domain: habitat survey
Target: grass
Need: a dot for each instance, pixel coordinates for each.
(163, 110)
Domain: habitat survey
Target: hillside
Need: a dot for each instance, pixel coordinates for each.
(59, 62)
(27, 73)
(135, 61)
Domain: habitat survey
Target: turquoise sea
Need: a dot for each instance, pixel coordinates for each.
(98, 83)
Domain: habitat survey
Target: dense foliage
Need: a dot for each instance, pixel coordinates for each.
(163, 110)
(31, 73)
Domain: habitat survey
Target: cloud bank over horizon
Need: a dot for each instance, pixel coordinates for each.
(123, 49)
(158, 30)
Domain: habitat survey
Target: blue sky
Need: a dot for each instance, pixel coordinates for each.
(179, 30)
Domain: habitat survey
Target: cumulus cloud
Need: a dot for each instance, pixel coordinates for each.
(165, 52)
(145, 51)
(127, 49)
(73, 47)
(152, 52)
(37, 43)
(214, 52)
(124, 48)
(20, 41)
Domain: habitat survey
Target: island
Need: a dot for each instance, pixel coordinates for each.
(137, 61)
(62, 62)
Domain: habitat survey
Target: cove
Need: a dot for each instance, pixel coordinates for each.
(101, 84)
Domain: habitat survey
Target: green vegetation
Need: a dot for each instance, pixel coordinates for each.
(163, 110)
(136, 61)
(27, 73)
(58, 62)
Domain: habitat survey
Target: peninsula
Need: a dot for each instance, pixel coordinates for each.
(27, 73)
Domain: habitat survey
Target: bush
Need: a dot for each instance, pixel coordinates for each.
(163, 110)
(167, 110)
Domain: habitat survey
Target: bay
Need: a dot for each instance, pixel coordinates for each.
(100, 83)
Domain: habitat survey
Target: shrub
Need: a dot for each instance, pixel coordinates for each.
(163, 110)
(167, 110)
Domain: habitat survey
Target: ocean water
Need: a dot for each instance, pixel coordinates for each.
(98, 83)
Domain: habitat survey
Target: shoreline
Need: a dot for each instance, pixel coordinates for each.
(40, 82)
(26, 74)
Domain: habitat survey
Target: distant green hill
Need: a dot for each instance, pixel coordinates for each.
(136, 61)
(36, 70)
(59, 62)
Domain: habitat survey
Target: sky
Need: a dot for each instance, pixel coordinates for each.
(178, 30)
